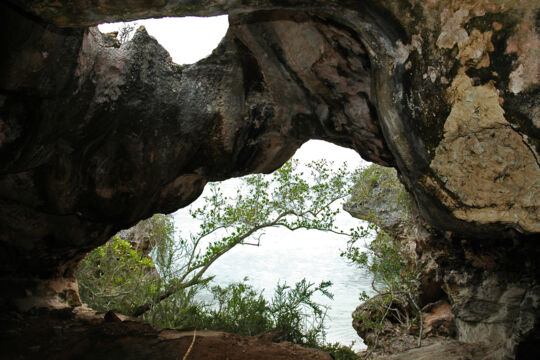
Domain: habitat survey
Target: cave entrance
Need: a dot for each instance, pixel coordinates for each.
(285, 256)
(280, 257)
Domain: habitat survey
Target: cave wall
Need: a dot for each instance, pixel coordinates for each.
(95, 136)
(490, 286)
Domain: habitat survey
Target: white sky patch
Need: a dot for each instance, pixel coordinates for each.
(318, 149)
(187, 39)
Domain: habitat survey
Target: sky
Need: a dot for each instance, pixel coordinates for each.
(187, 39)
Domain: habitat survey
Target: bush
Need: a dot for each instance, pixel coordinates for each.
(395, 282)
(238, 309)
(297, 316)
(291, 315)
(116, 276)
(341, 352)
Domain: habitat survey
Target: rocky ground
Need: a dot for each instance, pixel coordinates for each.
(81, 333)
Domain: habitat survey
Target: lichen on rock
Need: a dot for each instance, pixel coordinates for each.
(504, 187)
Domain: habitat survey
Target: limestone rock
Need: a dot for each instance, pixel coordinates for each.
(438, 319)
(142, 236)
(391, 337)
(380, 198)
(448, 350)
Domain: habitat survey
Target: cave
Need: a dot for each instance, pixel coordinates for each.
(95, 136)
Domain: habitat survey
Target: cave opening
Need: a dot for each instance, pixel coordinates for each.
(284, 256)
(271, 136)
(280, 256)
(187, 39)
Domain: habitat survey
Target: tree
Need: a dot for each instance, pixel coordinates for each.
(283, 199)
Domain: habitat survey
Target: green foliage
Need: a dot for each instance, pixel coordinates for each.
(282, 199)
(395, 281)
(380, 183)
(292, 308)
(180, 310)
(341, 352)
(291, 314)
(115, 276)
(239, 309)
(163, 245)
(390, 269)
(118, 276)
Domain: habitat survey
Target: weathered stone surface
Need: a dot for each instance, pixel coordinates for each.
(410, 49)
(477, 292)
(94, 137)
(448, 350)
(494, 294)
(507, 182)
(141, 236)
(118, 134)
(390, 337)
(380, 198)
(438, 319)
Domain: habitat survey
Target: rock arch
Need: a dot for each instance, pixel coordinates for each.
(94, 137)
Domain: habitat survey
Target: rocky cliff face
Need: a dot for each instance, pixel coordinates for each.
(94, 137)
(469, 293)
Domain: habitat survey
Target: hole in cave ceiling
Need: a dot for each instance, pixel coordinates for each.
(187, 39)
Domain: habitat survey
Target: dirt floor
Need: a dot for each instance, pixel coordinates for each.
(84, 334)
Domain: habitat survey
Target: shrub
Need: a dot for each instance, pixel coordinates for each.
(341, 352)
(116, 276)
(395, 282)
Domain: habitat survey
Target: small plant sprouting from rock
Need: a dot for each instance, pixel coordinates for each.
(394, 282)
(126, 31)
